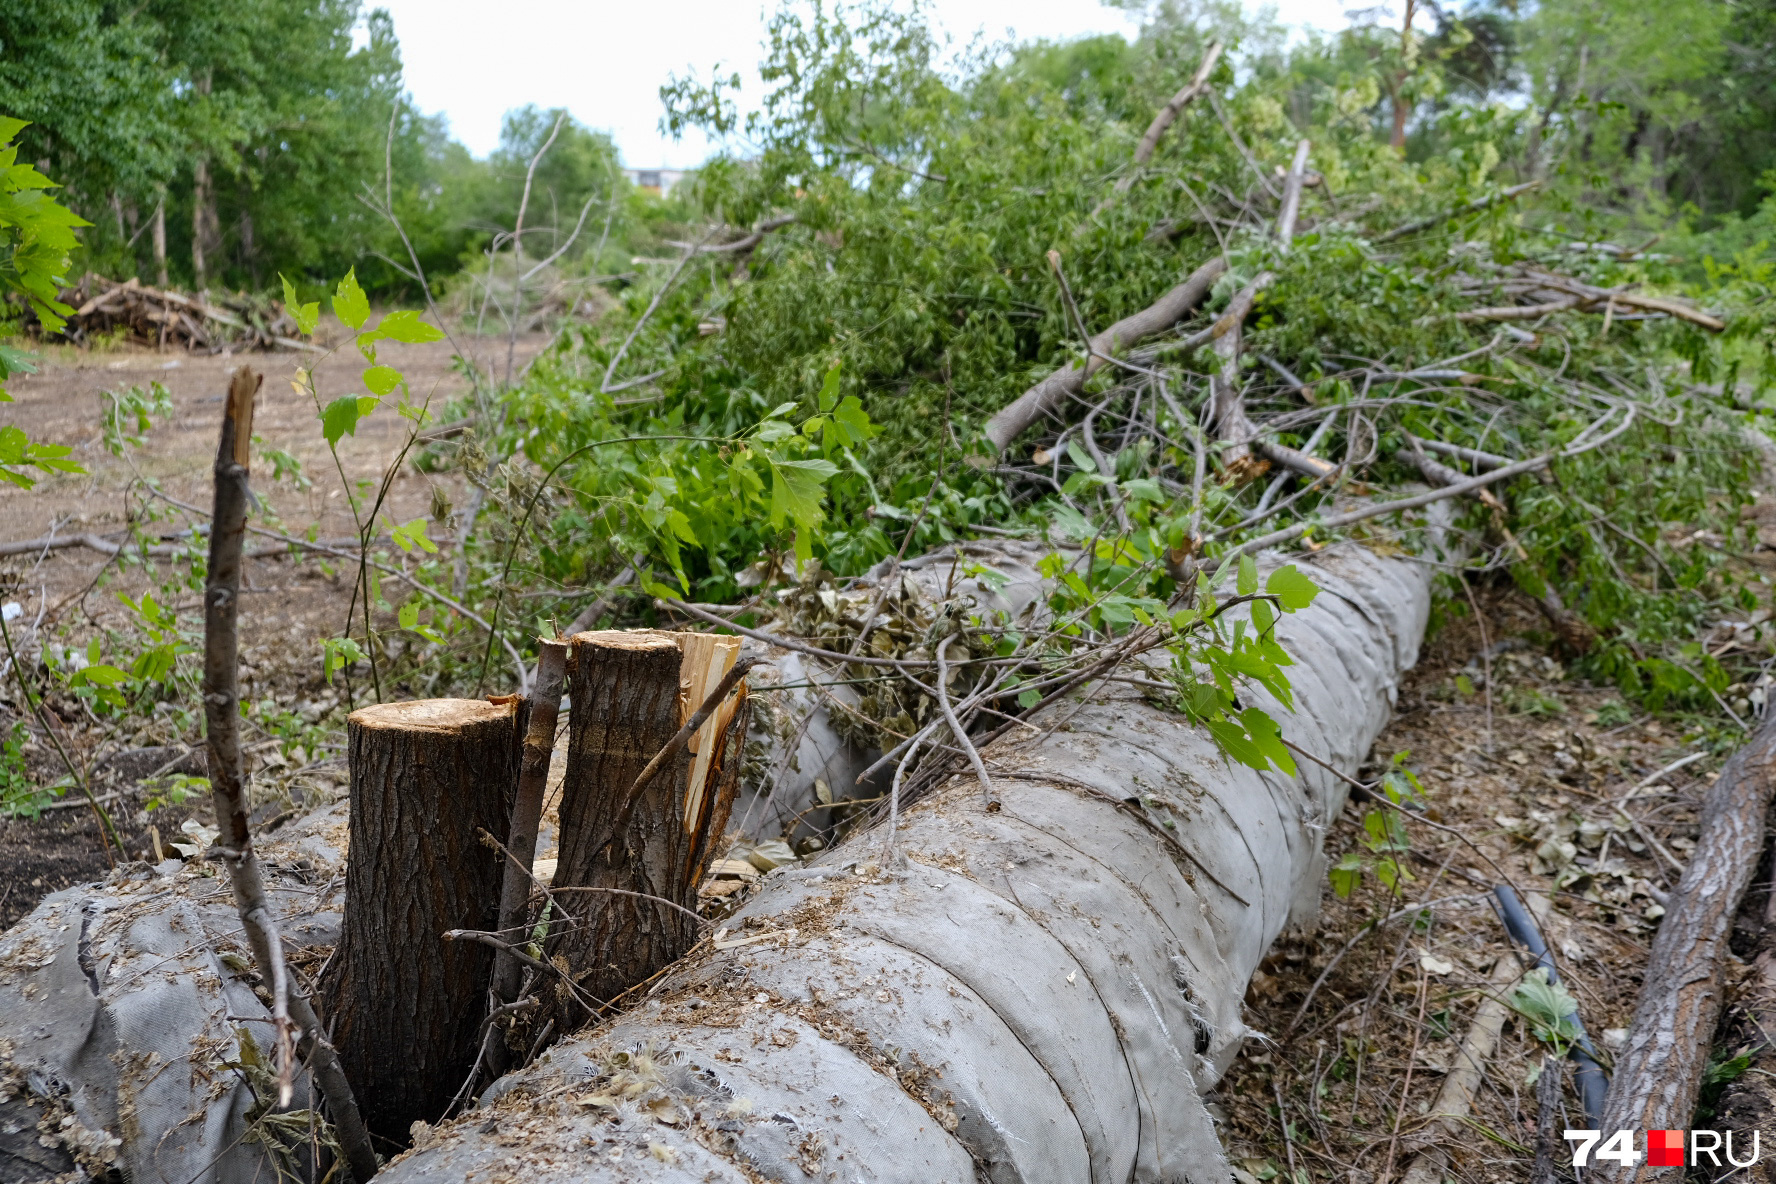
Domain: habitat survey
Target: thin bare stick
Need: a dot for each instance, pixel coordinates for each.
(527, 808)
(518, 247)
(1473, 207)
(605, 386)
(234, 846)
(956, 728)
(1290, 534)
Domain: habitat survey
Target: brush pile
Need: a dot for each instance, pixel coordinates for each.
(205, 323)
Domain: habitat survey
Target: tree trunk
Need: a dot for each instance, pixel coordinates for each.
(203, 222)
(631, 692)
(159, 236)
(426, 778)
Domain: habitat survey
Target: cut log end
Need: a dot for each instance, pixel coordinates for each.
(433, 715)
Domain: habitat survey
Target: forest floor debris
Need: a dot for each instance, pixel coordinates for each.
(1534, 789)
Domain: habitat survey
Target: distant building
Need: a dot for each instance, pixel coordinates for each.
(656, 181)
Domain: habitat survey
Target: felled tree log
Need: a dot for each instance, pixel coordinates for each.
(625, 886)
(1660, 1068)
(426, 778)
(1038, 993)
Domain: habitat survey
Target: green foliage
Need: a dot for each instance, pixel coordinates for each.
(125, 419)
(1548, 1008)
(21, 796)
(1385, 842)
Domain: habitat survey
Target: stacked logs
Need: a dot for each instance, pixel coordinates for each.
(168, 319)
(420, 1012)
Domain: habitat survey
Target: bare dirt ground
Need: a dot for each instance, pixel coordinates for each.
(288, 606)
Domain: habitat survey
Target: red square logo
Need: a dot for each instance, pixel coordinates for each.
(1665, 1149)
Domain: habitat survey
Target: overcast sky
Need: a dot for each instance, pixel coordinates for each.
(605, 60)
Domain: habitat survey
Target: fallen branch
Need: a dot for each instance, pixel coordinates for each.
(1466, 1070)
(741, 245)
(1376, 509)
(1660, 1069)
(1163, 120)
(1052, 392)
(1473, 207)
(234, 845)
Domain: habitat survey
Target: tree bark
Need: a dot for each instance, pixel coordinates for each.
(200, 222)
(427, 777)
(1659, 1071)
(159, 236)
(631, 692)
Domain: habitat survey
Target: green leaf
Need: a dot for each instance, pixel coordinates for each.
(1293, 590)
(1268, 739)
(409, 615)
(1548, 1006)
(796, 487)
(336, 654)
(412, 535)
(829, 388)
(306, 316)
(349, 302)
(405, 326)
(1029, 699)
(1347, 873)
(1247, 582)
(854, 421)
(341, 416)
(101, 675)
(382, 379)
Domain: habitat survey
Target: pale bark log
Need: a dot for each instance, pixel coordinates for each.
(1042, 994)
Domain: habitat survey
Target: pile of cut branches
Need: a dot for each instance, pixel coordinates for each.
(163, 318)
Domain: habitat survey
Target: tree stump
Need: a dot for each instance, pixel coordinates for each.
(629, 899)
(426, 776)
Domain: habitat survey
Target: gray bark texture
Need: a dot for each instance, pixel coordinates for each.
(629, 699)
(1041, 993)
(406, 1006)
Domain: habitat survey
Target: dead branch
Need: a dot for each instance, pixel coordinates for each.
(1660, 1069)
(221, 699)
(742, 245)
(1466, 1070)
(1052, 392)
(527, 807)
(1289, 534)
(1168, 114)
(1292, 194)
